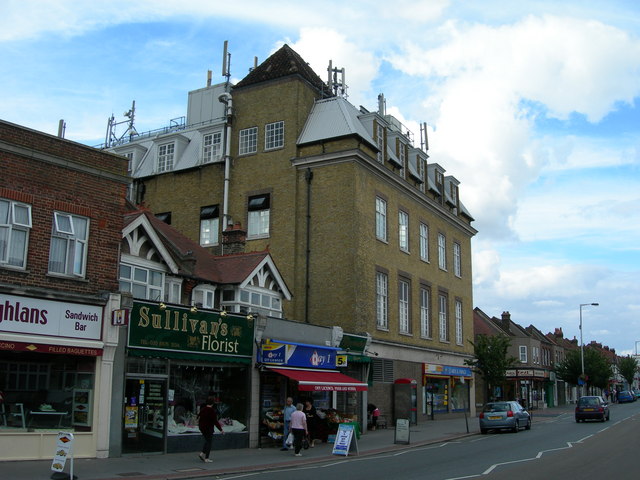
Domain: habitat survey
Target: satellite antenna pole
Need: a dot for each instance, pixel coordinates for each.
(226, 61)
(424, 140)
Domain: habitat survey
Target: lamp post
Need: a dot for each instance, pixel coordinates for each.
(581, 342)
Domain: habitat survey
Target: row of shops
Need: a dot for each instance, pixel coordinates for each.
(132, 381)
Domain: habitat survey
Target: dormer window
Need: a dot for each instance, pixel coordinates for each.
(166, 157)
(212, 147)
(380, 142)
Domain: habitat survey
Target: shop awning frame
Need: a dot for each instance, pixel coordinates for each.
(321, 380)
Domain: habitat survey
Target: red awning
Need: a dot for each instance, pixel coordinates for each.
(318, 381)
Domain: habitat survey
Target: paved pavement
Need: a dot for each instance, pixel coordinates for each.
(185, 466)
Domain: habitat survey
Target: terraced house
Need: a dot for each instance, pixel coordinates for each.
(368, 233)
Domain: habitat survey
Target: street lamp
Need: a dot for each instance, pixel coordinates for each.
(581, 342)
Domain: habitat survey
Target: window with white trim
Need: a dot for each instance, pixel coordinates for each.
(142, 283)
(274, 135)
(382, 300)
(209, 225)
(422, 167)
(442, 316)
(173, 290)
(69, 238)
(381, 219)
(252, 299)
(457, 266)
(212, 147)
(15, 225)
(523, 353)
(248, 141)
(259, 209)
(166, 154)
(403, 306)
(425, 321)
(402, 156)
(203, 296)
(459, 334)
(424, 242)
(380, 142)
(442, 251)
(403, 230)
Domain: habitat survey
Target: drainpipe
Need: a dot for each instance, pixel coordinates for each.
(308, 175)
(228, 101)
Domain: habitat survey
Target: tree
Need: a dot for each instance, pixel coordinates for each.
(491, 360)
(597, 369)
(628, 367)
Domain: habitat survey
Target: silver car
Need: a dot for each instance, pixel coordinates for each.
(508, 415)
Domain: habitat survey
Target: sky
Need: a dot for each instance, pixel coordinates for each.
(534, 106)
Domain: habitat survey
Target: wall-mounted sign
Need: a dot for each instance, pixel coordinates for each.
(273, 352)
(446, 370)
(178, 329)
(37, 316)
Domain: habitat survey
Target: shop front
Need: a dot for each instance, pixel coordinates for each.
(51, 360)
(528, 386)
(176, 358)
(306, 372)
(446, 389)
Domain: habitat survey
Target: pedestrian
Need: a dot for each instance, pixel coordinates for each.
(375, 413)
(299, 428)
(286, 416)
(312, 420)
(207, 421)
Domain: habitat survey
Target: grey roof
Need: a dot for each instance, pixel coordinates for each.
(333, 118)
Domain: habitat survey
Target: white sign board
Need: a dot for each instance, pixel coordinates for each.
(343, 440)
(63, 450)
(47, 317)
(402, 430)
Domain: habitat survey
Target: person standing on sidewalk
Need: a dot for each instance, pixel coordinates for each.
(299, 428)
(207, 421)
(288, 409)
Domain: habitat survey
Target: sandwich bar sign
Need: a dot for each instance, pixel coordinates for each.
(178, 329)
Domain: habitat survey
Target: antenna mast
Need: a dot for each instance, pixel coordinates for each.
(111, 139)
(338, 87)
(226, 61)
(424, 140)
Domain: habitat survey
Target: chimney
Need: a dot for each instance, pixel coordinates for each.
(558, 333)
(234, 239)
(506, 320)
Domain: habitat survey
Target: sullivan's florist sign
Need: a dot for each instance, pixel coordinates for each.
(178, 329)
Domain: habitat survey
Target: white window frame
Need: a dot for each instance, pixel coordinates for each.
(381, 219)
(402, 156)
(173, 290)
(274, 135)
(459, 330)
(523, 354)
(211, 147)
(403, 230)
(380, 142)
(422, 167)
(442, 317)
(14, 233)
(141, 278)
(424, 242)
(248, 141)
(203, 296)
(209, 228)
(425, 324)
(70, 243)
(442, 251)
(166, 155)
(258, 218)
(403, 307)
(457, 259)
(382, 301)
(253, 299)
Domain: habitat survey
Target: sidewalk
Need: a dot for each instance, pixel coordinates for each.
(185, 466)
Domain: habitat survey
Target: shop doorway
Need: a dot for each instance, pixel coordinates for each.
(144, 414)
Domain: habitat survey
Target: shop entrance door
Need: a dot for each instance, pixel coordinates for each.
(144, 414)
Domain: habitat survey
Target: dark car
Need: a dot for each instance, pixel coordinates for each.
(626, 396)
(504, 415)
(592, 408)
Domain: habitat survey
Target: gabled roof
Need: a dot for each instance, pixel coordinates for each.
(284, 63)
(482, 324)
(334, 118)
(187, 258)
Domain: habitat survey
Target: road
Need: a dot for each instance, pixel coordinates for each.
(553, 448)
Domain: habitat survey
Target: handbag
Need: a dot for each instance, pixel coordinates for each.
(290, 439)
(305, 443)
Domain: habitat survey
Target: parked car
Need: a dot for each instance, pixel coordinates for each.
(625, 396)
(592, 408)
(504, 415)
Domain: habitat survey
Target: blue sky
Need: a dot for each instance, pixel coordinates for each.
(533, 105)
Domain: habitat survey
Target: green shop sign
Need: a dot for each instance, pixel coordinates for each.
(177, 329)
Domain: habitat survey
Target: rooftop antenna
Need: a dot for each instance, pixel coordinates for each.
(62, 127)
(226, 61)
(208, 78)
(424, 140)
(112, 139)
(338, 87)
(382, 105)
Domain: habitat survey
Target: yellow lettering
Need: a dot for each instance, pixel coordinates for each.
(144, 317)
(156, 320)
(193, 322)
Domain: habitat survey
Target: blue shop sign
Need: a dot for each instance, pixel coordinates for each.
(274, 352)
(446, 370)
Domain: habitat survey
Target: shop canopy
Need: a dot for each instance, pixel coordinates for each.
(321, 380)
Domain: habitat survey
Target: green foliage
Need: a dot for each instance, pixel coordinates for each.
(597, 369)
(491, 360)
(628, 368)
